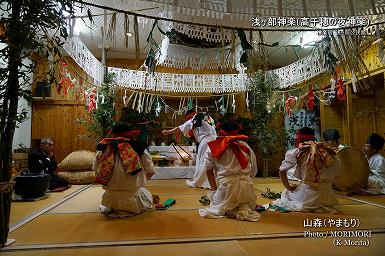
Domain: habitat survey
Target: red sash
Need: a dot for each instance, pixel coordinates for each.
(219, 146)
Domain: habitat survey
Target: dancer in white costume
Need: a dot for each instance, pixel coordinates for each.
(202, 127)
(128, 167)
(376, 180)
(235, 166)
(317, 166)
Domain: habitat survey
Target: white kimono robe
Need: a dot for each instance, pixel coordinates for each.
(203, 135)
(235, 196)
(125, 194)
(307, 198)
(376, 180)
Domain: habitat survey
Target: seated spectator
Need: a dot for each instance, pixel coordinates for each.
(371, 150)
(42, 160)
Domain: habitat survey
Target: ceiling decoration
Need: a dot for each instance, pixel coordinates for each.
(239, 13)
(184, 39)
(179, 83)
(177, 56)
(299, 71)
(215, 45)
(295, 73)
(194, 38)
(209, 34)
(84, 58)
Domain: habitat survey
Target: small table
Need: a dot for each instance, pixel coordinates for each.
(163, 160)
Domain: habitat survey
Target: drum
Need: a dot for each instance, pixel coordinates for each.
(354, 171)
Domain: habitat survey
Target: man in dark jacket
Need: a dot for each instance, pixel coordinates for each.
(43, 160)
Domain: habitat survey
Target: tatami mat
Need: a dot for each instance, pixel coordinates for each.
(21, 210)
(377, 199)
(230, 248)
(370, 217)
(179, 224)
(275, 187)
(89, 200)
(259, 180)
(91, 227)
(77, 221)
(314, 246)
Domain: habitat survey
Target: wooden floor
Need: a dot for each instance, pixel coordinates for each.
(69, 223)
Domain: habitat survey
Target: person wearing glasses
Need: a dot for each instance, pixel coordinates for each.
(42, 160)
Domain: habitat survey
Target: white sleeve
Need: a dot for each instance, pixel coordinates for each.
(290, 160)
(254, 168)
(147, 163)
(377, 167)
(186, 127)
(208, 160)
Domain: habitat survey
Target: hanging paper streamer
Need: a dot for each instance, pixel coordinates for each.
(158, 107)
(79, 89)
(66, 82)
(125, 98)
(180, 106)
(247, 101)
(134, 101)
(340, 87)
(163, 50)
(233, 105)
(228, 103)
(289, 104)
(97, 100)
(332, 84)
(222, 108)
(189, 104)
(139, 104)
(310, 99)
(90, 98)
